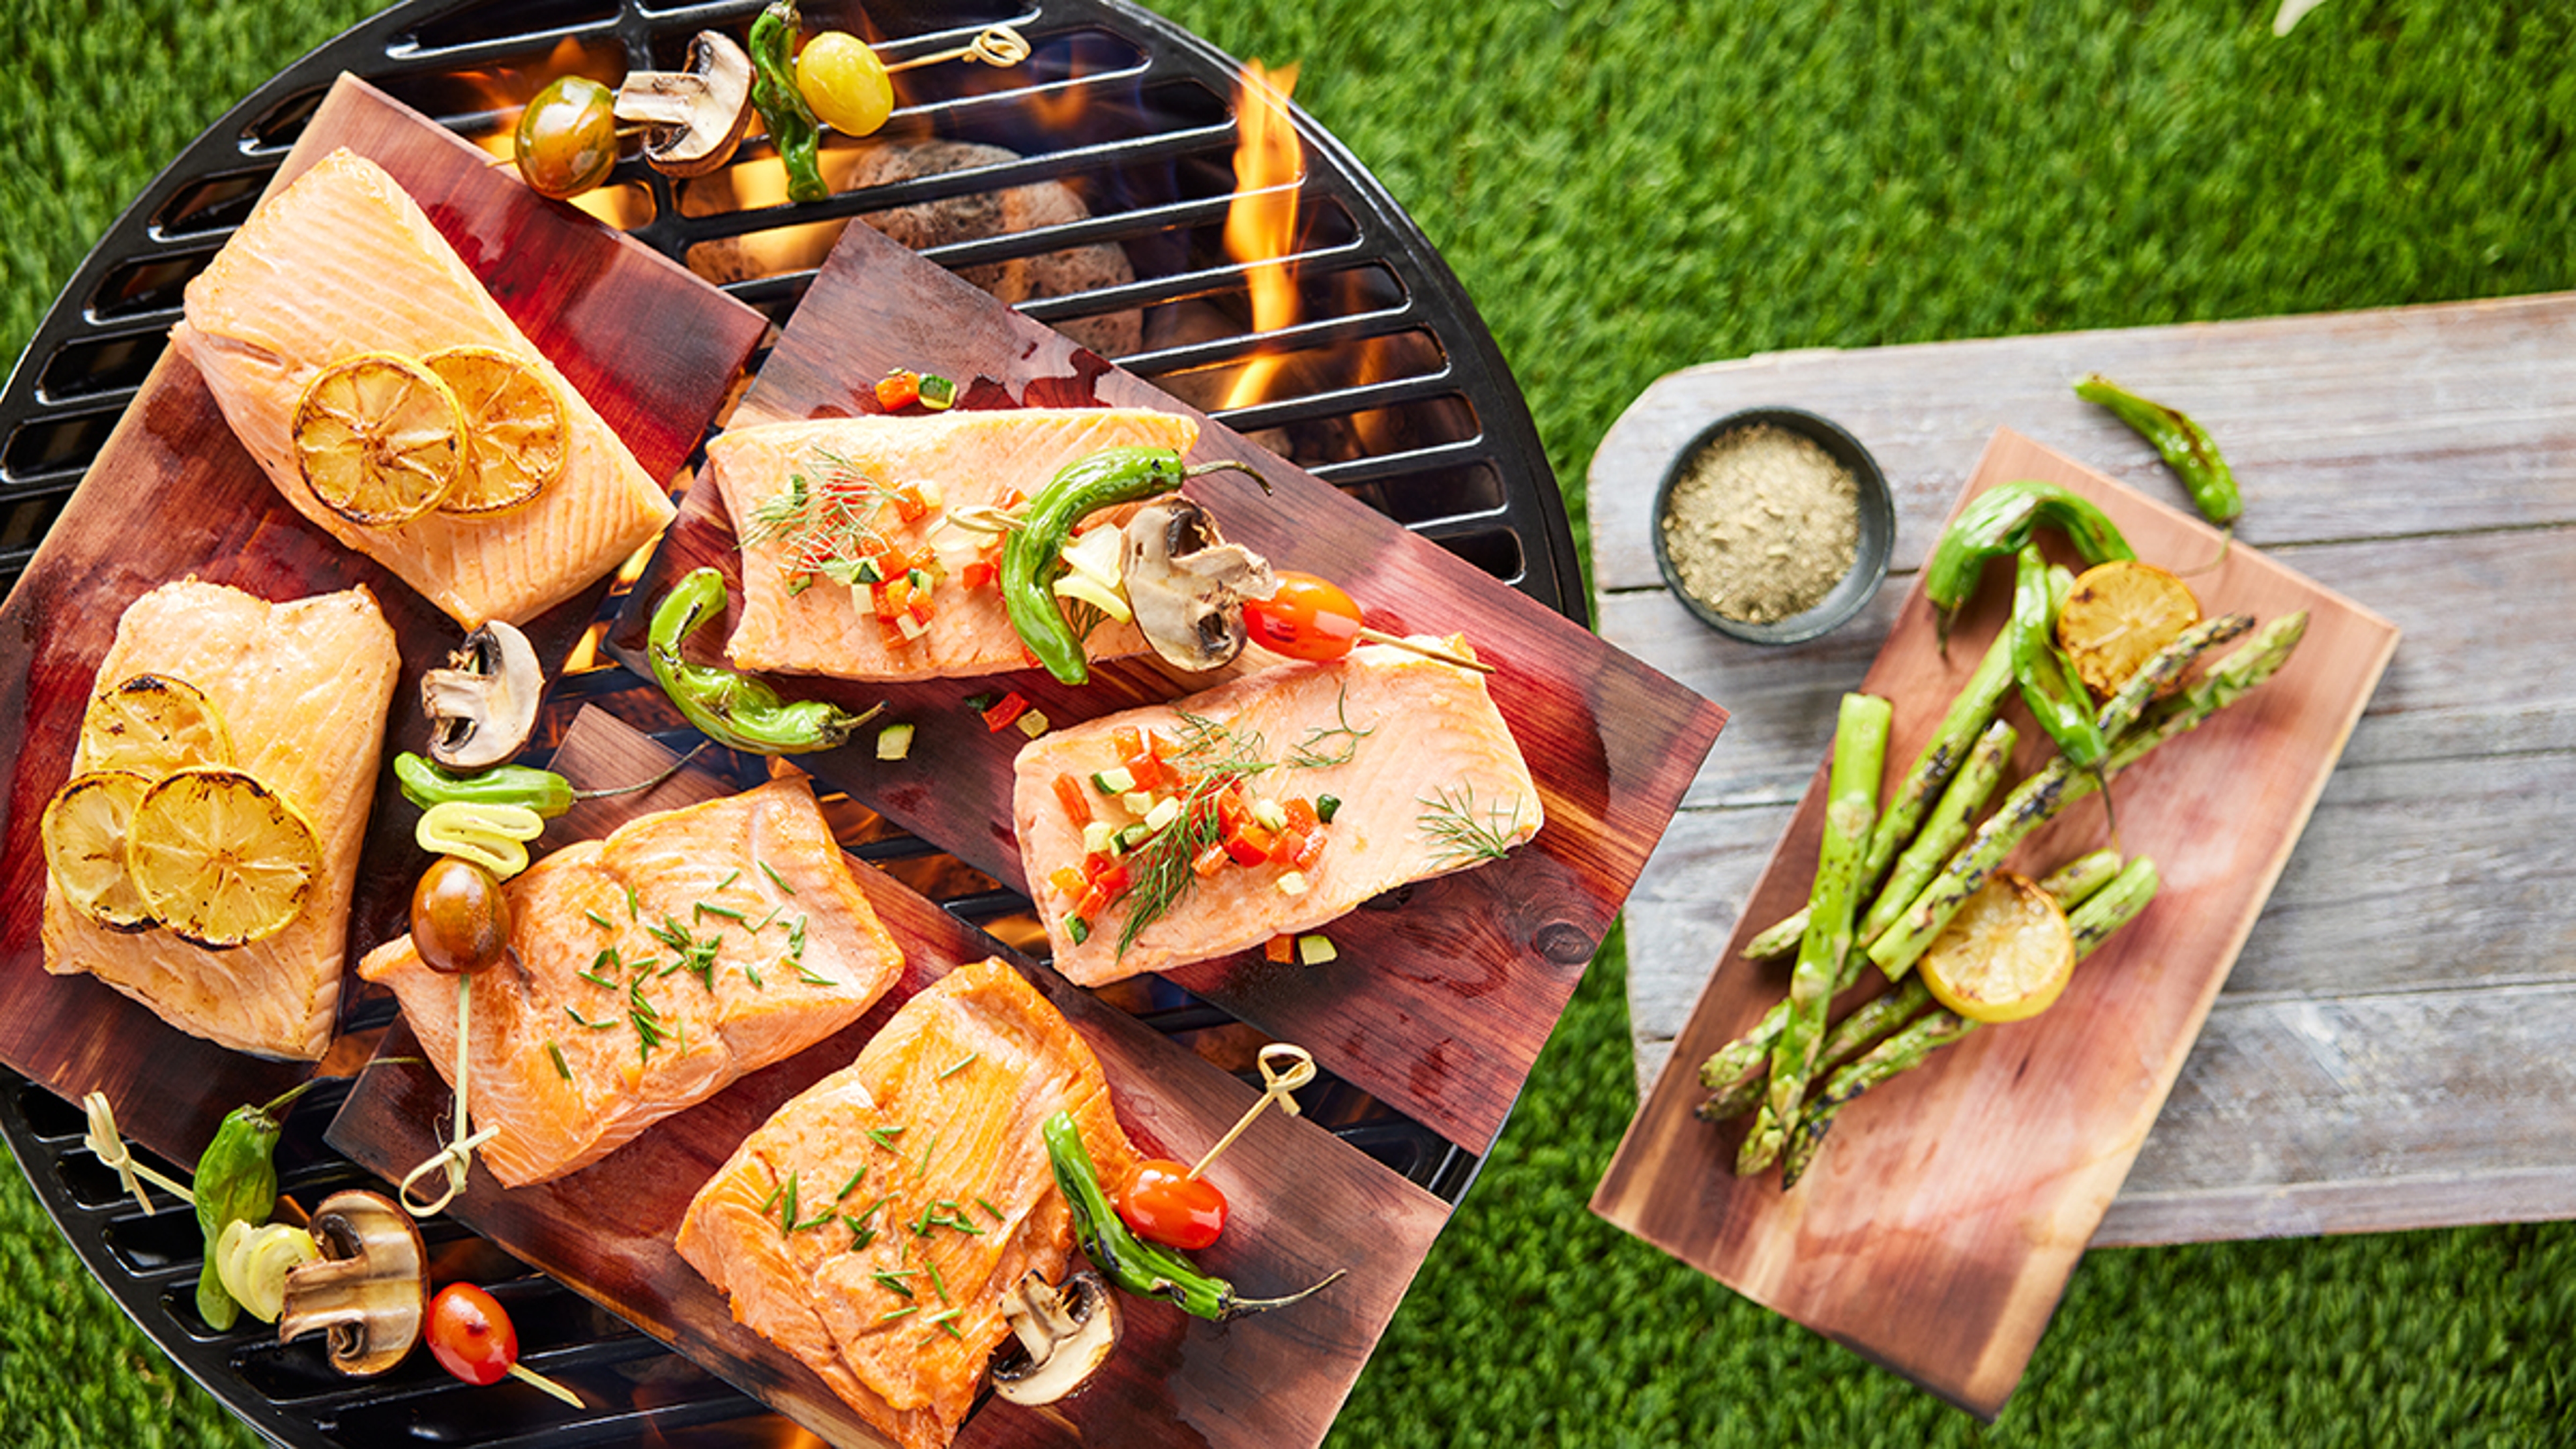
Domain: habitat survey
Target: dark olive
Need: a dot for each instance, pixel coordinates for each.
(568, 137)
(460, 921)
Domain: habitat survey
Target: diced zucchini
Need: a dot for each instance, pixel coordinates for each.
(1315, 950)
(1165, 811)
(868, 571)
(1268, 812)
(1131, 836)
(1116, 780)
(1293, 883)
(1032, 724)
(1138, 802)
(894, 742)
(1078, 928)
(1099, 837)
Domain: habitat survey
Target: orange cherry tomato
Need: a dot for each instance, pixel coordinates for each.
(470, 1334)
(460, 920)
(1164, 1204)
(1308, 618)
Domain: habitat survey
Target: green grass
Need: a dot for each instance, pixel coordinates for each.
(1627, 189)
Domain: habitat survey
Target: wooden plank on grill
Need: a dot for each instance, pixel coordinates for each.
(1940, 1221)
(1437, 1008)
(172, 493)
(1304, 1202)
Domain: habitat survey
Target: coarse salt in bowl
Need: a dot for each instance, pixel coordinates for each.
(1773, 525)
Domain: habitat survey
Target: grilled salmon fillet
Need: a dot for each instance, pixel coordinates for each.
(872, 1226)
(964, 458)
(648, 971)
(1423, 770)
(342, 262)
(302, 688)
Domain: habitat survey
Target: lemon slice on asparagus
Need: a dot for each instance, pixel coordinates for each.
(2118, 616)
(2005, 956)
(84, 831)
(515, 436)
(220, 858)
(380, 439)
(153, 724)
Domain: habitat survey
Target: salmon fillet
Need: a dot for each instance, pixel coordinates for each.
(936, 1124)
(1427, 777)
(650, 970)
(968, 458)
(342, 262)
(302, 688)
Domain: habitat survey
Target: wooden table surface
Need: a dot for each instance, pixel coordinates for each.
(2396, 1047)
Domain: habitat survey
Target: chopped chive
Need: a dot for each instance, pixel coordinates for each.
(943, 1318)
(563, 1068)
(937, 1281)
(787, 1219)
(729, 879)
(710, 908)
(810, 979)
(602, 922)
(818, 1220)
(850, 1186)
(900, 1313)
(884, 1136)
(922, 1171)
(580, 1020)
(763, 924)
(796, 941)
(771, 1201)
(753, 977)
(959, 1065)
(860, 1234)
(870, 1210)
(632, 912)
(605, 959)
(987, 1205)
(893, 1282)
(921, 1223)
(775, 878)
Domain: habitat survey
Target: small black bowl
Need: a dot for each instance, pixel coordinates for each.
(1869, 560)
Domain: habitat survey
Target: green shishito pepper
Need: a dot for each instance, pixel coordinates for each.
(237, 1182)
(2186, 445)
(425, 783)
(1032, 560)
(2047, 685)
(1996, 523)
(735, 710)
(1145, 1269)
(791, 124)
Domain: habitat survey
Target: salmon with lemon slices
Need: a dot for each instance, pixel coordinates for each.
(1264, 807)
(342, 264)
(851, 564)
(293, 697)
(648, 971)
(875, 1224)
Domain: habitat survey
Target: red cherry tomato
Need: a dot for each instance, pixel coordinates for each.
(470, 1334)
(1308, 618)
(1164, 1204)
(460, 921)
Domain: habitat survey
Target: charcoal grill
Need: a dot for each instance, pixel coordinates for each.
(1393, 391)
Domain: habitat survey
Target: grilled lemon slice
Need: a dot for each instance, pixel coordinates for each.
(153, 724)
(84, 830)
(515, 437)
(220, 858)
(380, 439)
(2005, 956)
(2119, 615)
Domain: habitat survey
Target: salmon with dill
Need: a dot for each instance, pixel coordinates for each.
(854, 560)
(874, 1225)
(648, 971)
(1265, 807)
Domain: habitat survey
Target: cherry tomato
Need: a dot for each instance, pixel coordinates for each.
(568, 137)
(460, 921)
(1308, 618)
(845, 83)
(1164, 1204)
(470, 1334)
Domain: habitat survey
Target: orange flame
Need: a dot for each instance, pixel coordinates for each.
(1261, 225)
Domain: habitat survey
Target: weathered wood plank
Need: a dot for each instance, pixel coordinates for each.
(2349, 425)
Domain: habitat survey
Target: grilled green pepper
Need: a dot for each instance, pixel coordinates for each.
(2047, 685)
(1148, 1270)
(735, 710)
(792, 127)
(1997, 523)
(425, 783)
(237, 1182)
(2186, 445)
(1032, 559)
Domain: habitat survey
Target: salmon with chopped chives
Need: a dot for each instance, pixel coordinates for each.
(851, 566)
(648, 971)
(343, 262)
(874, 1224)
(1267, 806)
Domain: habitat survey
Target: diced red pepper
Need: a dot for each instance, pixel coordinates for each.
(1301, 815)
(919, 608)
(1006, 709)
(1093, 902)
(977, 574)
(1110, 875)
(1250, 845)
(1068, 791)
(1067, 880)
(892, 634)
(1127, 740)
(1281, 949)
(1309, 853)
(1209, 861)
(898, 390)
(1284, 849)
(908, 502)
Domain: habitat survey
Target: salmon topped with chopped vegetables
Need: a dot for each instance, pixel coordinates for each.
(860, 558)
(874, 1225)
(648, 971)
(1264, 807)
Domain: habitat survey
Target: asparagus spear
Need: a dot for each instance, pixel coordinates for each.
(2038, 799)
(2110, 907)
(1851, 804)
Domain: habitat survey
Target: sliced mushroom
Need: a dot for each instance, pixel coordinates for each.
(1063, 1337)
(1187, 584)
(696, 116)
(369, 1290)
(484, 705)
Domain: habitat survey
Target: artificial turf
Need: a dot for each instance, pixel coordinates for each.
(1625, 189)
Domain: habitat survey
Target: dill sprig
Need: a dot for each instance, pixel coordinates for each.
(1213, 757)
(825, 525)
(1458, 834)
(1311, 752)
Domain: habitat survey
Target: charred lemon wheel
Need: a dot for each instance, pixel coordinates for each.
(515, 437)
(153, 724)
(84, 831)
(220, 858)
(2119, 615)
(380, 439)
(2005, 956)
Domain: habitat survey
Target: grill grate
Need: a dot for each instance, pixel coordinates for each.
(1392, 390)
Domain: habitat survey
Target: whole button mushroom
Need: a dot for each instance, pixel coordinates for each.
(697, 115)
(369, 1290)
